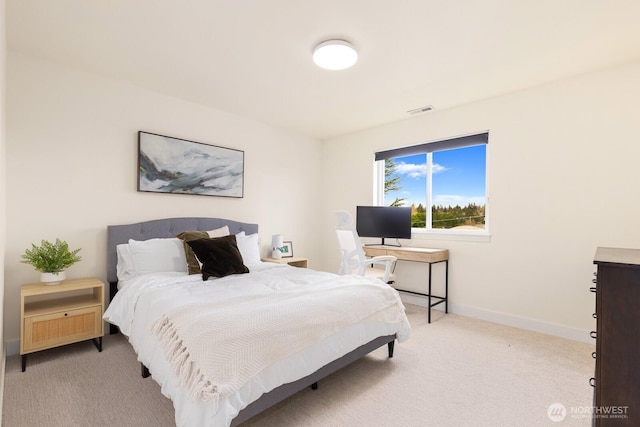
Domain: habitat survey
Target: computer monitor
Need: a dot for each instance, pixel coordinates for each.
(383, 222)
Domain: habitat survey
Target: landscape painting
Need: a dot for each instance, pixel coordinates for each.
(173, 165)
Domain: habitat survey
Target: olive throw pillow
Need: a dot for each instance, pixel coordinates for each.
(193, 267)
(219, 256)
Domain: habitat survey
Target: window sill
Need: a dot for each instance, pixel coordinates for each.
(455, 235)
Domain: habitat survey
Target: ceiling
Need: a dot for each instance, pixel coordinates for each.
(253, 57)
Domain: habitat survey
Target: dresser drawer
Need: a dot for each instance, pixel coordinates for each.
(62, 327)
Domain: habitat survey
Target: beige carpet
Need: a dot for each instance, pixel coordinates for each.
(454, 372)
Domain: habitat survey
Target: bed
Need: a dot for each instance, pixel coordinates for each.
(172, 318)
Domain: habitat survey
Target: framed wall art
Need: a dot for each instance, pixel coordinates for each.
(174, 165)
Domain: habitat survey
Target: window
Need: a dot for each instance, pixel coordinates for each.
(444, 182)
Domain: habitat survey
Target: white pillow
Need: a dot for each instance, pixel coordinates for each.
(124, 268)
(158, 255)
(219, 232)
(249, 248)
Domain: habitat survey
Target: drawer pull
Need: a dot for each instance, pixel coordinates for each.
(593, 334)
(592, 289)
(595, 315)
(593, 354)
(592, 382)
(66, 314)
(594, 280)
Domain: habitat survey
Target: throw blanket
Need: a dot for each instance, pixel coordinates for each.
(216, 348)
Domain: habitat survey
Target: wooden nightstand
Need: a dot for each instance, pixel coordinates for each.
(293, 261)
(55, 315)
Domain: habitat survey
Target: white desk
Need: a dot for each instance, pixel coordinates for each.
(425, 255)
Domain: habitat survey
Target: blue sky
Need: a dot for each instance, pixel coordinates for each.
(458, 177)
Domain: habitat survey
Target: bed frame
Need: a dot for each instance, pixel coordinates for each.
(164, 228)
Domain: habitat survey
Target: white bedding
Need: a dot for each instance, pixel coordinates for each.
(144, 300)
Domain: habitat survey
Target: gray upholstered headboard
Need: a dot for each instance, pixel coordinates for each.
(117, 234)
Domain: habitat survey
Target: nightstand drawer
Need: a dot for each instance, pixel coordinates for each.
(62, 327)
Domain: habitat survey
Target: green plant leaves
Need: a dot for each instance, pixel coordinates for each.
(51, 257)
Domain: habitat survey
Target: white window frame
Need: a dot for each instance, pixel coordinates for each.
(429, 233)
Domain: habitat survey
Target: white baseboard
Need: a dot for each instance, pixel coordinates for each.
(3, 366)
(507, 319)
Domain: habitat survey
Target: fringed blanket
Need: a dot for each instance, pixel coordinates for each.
(216, 348)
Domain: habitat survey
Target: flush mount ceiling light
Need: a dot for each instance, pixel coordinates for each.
(335, 55)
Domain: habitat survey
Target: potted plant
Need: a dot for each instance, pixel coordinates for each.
(51, 260)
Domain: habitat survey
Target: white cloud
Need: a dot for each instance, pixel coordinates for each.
(413, 170)
(436, 168)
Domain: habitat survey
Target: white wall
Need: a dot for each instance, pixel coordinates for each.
(562, 179)
(2, 193)
(72, 169)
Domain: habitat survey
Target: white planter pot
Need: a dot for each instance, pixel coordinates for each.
(52, 278)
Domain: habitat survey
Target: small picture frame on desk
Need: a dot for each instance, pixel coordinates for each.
(287, 249)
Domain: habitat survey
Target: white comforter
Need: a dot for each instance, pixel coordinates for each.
(142, 302)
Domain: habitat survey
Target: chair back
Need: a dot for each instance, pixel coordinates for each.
(352, 257)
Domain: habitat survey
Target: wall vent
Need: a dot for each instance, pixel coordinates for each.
(420, 110)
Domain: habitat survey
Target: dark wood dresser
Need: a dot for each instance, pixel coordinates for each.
(617, 374)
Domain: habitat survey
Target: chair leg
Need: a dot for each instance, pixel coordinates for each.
(390, 346)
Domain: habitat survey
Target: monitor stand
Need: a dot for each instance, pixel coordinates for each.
(384, 244)
(397, 245)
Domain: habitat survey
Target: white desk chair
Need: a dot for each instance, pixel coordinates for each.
(353, 259)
